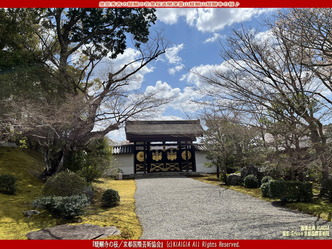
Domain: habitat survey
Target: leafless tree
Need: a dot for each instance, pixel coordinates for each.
(310, 30)
(87, 106)
(271, 73)
(230, 142)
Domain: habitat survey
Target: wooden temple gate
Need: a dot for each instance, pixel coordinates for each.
(163, 146)
(163, 157)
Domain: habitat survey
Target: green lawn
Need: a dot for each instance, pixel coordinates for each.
(26, 165)
(318, 207)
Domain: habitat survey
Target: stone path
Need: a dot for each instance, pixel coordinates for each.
(183, 208)
(73, 232)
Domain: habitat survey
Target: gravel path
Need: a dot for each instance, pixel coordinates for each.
(183, 208)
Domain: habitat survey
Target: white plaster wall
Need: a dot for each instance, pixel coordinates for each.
(125, 162)
(200, 161)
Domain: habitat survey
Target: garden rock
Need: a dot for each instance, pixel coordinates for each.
(251, 170)
(73, 232)
(234, 179)
(30, 213)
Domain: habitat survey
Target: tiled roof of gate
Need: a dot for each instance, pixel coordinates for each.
(163, 130)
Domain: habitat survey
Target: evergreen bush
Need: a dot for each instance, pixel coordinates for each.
(329, 188)
(251, 181)
(91, 162)
(110, 198)
(290, 190)
(266, 179)
(66, 207)
(7, 184)
(65, 183)
(265, 189)
(234, 179)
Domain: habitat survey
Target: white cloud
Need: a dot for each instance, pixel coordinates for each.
(118, 136)
(171, 54)
(185, 100)
(113, 65)
(214, 38)
(203, 91)
(193, 77)
(171, 15)
(163, 90)
(209, 19)
(180, 99)
(173, 58)
(173, 70)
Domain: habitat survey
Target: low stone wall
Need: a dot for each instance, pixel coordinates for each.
(7, 144)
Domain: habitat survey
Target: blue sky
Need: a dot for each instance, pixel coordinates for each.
(194, 37)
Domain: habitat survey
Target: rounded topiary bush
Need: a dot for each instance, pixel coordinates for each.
(265, 189)
(7, 184)
(251, 181)
(234, 179)
(65, 183)
(110, 198)
(266, 179)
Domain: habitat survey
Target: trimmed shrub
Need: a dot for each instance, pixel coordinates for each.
(234, 179)
(7, 184)
(273, 171)
(250, 181)
(266, 179)
(65, 183)
(90, 173)
(329, 188)
(66, 207)
(290, 190)
(92, 162)
(265, 189)
(89, 192)
(110, 198)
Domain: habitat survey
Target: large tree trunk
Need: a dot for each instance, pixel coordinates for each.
(325, 174)
(53, 163)
(319, 144)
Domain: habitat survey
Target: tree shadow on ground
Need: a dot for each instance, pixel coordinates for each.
(319, 208)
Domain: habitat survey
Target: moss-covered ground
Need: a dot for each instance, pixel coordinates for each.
(26, 166)
(319, 207)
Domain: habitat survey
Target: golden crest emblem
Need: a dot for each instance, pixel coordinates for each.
(140, 156)
(184, 155)
(171, 155)
(157, 156)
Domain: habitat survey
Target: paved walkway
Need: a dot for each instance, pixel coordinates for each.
(183, 208)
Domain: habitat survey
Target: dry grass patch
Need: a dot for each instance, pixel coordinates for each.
(122, 216)
(26, 165)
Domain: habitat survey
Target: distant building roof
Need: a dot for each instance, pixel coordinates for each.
(171, 130)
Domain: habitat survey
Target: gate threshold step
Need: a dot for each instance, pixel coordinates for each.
(161, 174)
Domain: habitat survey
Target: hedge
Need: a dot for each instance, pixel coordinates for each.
(266, 179)
(288, 190)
